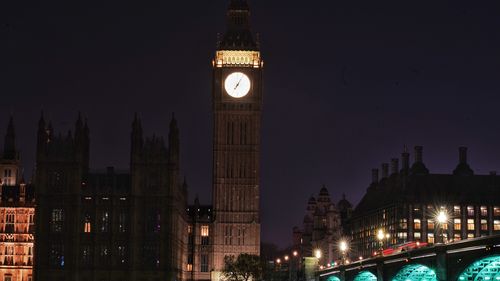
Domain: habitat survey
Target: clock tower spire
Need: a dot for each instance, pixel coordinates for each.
(237, 108)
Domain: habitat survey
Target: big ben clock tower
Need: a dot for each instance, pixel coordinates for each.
(237, 107)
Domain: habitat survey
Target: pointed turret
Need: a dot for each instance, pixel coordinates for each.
(136, 139)
(238, 35)
(173, 143)
(9, 150)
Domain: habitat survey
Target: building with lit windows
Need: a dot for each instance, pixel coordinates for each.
(136, 224)
(109, 224)
(17, 215)
(325, 222)
(412, 204)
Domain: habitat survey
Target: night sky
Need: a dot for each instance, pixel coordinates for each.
(347, 85)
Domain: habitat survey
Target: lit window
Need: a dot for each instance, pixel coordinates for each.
(496, 211)
(470, 235)
(204, 234)
(457, 224)
(456, 211)
(484, 225)
(87, 227)
(417, 224)
(470, 211)
(484, 211)
(190, 229)
(496, 225)
(417, 235)
(456, 236)
(204, 230)
(470, 224)
(430, 224)
(430, 238)
(403, 224)
(190, 262)
(87, 224)
(105, 221)
(57, 220)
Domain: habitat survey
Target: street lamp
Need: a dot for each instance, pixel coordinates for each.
(380, 236)
(317, 253)
(295, 253)
(442, 219)
(343, 247)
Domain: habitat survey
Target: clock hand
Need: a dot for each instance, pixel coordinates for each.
(237, 84)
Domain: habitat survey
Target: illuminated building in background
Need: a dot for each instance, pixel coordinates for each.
(323, 226)
(17, 215)
(413, 205)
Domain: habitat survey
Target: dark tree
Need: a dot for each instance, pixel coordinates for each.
(243, 268)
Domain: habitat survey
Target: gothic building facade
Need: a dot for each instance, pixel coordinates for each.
(405, 204)
(108, 225)
(135, 225)
(324, 224)
(17, 215)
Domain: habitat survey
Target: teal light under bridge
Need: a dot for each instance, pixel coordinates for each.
(415, 272)
(485, 269)
(333, 278)
(365, 276)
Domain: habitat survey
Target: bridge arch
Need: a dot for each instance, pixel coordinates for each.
(415, 272)
(365, 276)
(487, 268)
(333, 278)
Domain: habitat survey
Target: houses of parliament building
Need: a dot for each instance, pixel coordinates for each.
(107, 225)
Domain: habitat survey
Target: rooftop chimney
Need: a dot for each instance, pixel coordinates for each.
(374, 175)
(419, 154)
(462, 155)
(394, 166)
(405, 159)
(385, 170)
(463, 169)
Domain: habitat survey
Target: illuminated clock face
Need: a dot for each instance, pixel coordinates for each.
(237, 85)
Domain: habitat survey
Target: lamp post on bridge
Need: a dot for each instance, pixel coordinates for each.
(442, 219)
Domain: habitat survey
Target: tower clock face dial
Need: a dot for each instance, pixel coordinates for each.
(237, 84)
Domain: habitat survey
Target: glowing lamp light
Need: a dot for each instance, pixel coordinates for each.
(278, 261)
(380, 234)
(360, 258)
(442, 217)
(295, 253)
(320, 267)
(286, 258)
(317, 253)
(343, 246)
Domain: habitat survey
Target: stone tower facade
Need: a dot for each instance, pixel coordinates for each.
(237, 109)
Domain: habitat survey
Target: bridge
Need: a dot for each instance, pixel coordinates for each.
(466, 260)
